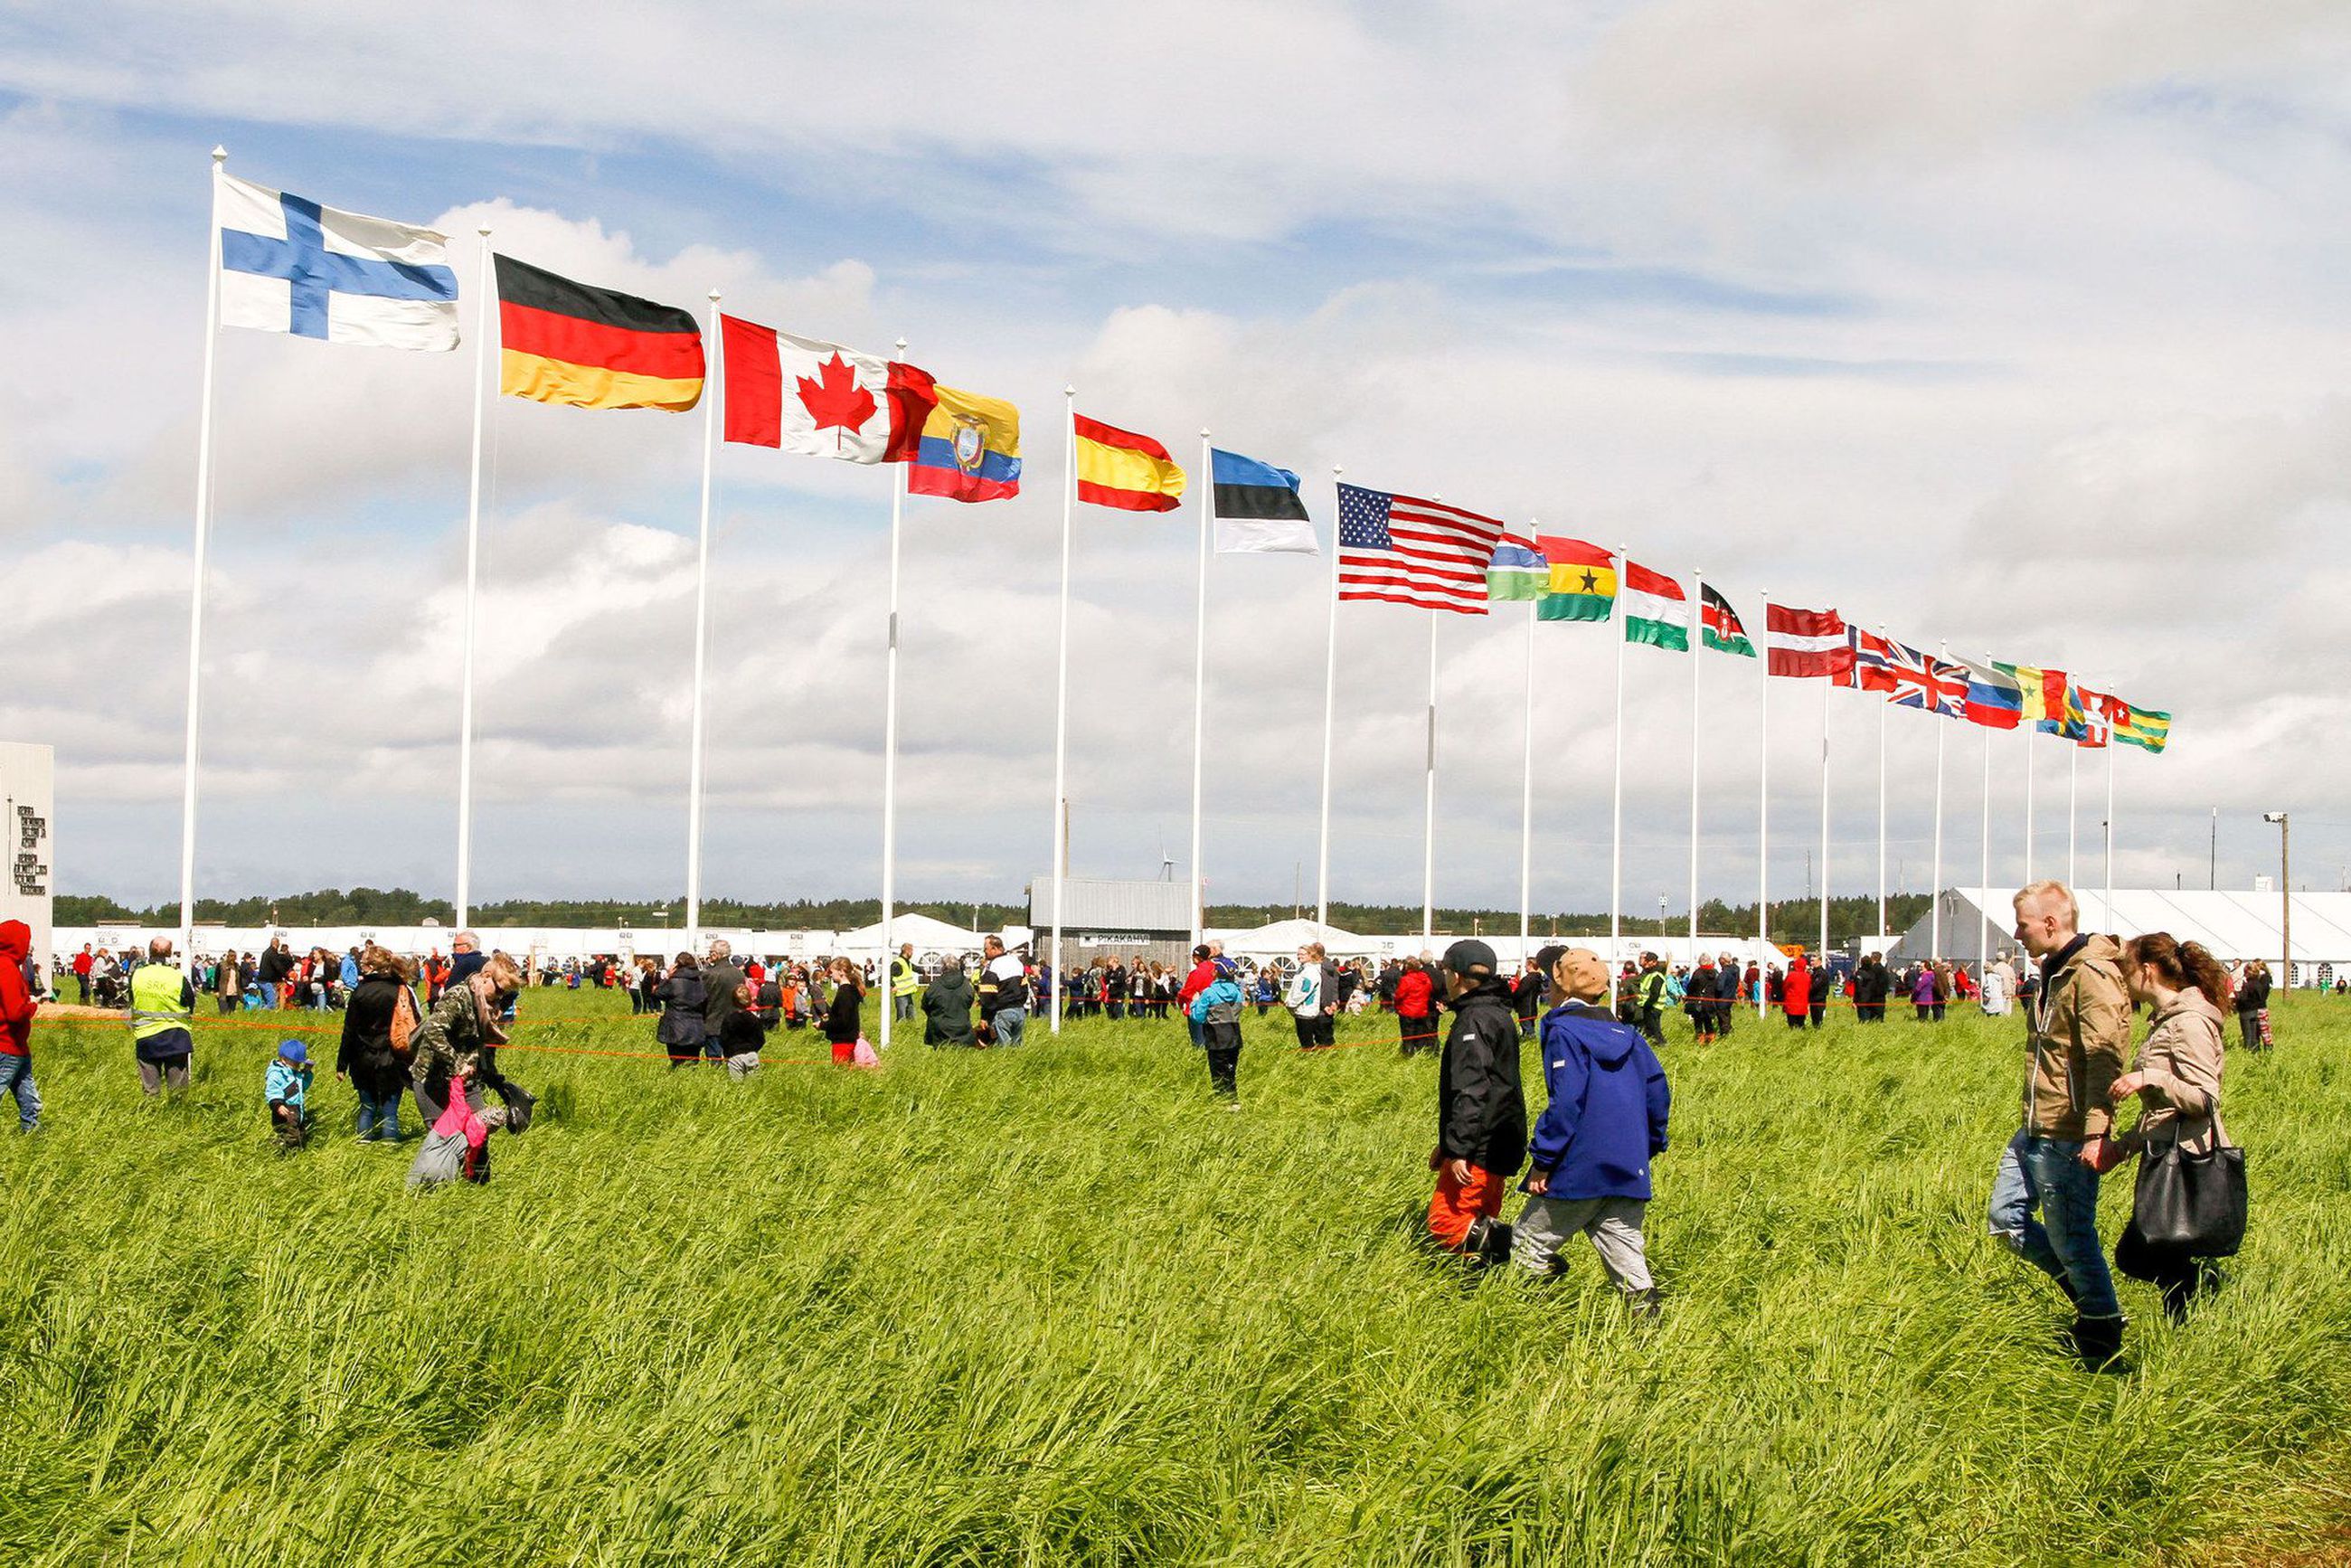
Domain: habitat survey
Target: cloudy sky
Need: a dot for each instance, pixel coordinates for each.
(2014, 326)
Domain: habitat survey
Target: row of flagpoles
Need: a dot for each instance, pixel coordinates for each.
(356, 279)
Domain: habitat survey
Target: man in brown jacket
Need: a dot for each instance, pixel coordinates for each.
(2077, 1044)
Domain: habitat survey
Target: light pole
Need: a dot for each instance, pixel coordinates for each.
(1661, 917)
(2285, 888)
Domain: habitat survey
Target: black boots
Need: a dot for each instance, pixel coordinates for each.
(2098, 1343)
(1487, 1243)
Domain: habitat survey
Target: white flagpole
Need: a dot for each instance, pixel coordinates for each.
(715, 391)
(1828, 684)
(2025, 729)
(2110, 813)
(1763, 788)
(1934, 891)
(1429, 815)
(1527, 796)
(1330, 715)
(890, 752)
(196, 583)
(484, 292)
(2073, 791)
(1200, 682)
(1696, 651)
(1882, 708)
(1616, 791)
(1983, 861)
(1062, 698)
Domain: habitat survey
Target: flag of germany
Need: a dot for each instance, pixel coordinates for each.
(562, 342)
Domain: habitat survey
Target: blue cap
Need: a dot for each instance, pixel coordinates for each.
(293, 1050)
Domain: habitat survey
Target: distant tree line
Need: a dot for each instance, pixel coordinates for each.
(1793, 920)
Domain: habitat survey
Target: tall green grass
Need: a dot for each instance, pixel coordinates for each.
(1055, 1305)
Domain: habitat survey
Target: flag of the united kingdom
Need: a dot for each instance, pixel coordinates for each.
(1923, 681)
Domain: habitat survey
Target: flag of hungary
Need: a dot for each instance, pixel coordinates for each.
(1656, 611)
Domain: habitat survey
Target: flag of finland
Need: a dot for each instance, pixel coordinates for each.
(289, 265)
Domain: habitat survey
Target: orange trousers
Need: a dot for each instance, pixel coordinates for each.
(1456, 1204)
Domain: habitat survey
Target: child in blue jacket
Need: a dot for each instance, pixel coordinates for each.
(1591, 1146)
(286, 1087)
(1217, 1010)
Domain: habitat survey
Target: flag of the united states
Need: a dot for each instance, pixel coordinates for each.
(1411, 551)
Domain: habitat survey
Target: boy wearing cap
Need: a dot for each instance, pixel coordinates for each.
(1482, 1114)
(1604, 1121)
(286, 1087)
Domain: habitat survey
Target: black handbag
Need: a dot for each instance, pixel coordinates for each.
(2193, 1202)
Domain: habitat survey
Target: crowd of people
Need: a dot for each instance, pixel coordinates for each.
(431, 1032)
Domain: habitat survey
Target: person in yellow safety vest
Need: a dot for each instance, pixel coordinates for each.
(905, 983)
(162, 1003)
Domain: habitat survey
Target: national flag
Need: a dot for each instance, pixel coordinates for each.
(2141, 727)
(970, 449)
(562, 342)
(1723, 628)
(289, 265)
(1806, 643)
(1656, 611)
(1583, 579)
(1258, 508)
(2043, 693)
(1873, 660)
(1924, 681)
(1119, 468)
(820, 399)
(2087, 718)
(1994, 700)
(1518, 569)
(1406, 550)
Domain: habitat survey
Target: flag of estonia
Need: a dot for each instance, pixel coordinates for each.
(562, 342)
(1258, 508)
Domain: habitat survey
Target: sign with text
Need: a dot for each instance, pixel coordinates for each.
(27, 806)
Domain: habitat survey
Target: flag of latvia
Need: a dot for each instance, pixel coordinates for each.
(1806, 643)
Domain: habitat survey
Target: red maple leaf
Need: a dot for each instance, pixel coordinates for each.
(835, 401)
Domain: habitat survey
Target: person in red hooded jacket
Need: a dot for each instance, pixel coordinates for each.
(1796, 991)
(16, 1010)
(1416, 1005)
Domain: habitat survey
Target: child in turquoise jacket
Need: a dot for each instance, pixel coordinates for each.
(1217, 1010)
(286, 1087)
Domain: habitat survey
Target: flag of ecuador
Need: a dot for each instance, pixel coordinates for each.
(562, 342)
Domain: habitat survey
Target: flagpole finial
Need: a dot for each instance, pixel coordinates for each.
(484, 231)
(713, 297)
(220, 155)
(902, 345)
(1203, 433)
(1069, 392)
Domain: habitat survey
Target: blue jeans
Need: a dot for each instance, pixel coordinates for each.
(902, 1009)
(379, 1119)
(1008, 1025)
(16, 1077)
(2047, 1174)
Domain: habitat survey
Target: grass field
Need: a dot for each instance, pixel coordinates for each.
(1054, 1306)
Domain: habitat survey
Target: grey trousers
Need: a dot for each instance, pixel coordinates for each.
(1613, 1224)
(740, 1067)
(171, 1069)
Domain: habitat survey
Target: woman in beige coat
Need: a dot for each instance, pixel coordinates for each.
(2178, 1081)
